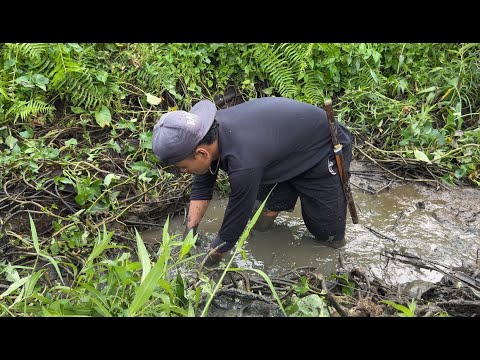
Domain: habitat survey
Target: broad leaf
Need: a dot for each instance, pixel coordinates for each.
(103, 116)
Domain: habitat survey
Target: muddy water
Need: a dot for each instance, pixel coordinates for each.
(441, 226)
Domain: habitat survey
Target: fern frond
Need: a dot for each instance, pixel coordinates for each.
(32, 52)
(155, 77)
(365, 79)
(314, 88)
(277, 69)
(4, 90)
(23, 109)
(46, 66)
(63, 66)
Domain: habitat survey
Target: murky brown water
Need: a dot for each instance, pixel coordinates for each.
(442, 226)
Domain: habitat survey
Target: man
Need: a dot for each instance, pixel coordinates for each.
(263, 143)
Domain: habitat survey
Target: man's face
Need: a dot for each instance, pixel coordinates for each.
(196, 166)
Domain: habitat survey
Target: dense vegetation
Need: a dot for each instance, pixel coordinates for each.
(77, 171)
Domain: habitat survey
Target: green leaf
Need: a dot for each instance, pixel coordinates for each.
(430, 89)
(103, 116)
(166, 285)
(187, 244)
(77, 110)
(32, 281)
(102, 76)
(180, 290)
(24, 81)
(374, 76)
(40, 81)
(28, 133)
(146, 140)
(141, 166)
(71, 142)
(268, 91)
(10, 141)
(310, 305)
(152, 99)
(460, 173)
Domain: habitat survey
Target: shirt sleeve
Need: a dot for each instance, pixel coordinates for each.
(202, 186)
(243, 193)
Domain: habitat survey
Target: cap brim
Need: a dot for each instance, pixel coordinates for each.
(205, 110)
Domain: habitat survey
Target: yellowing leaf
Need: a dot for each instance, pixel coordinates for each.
(153, 100)
(420, 155)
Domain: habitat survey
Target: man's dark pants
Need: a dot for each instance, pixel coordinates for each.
(324, 207)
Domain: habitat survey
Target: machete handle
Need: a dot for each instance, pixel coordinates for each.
(342, 171)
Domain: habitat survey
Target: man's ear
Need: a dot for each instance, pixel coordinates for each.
(201, 151)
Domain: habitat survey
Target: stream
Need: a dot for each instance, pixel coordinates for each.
(441, 225)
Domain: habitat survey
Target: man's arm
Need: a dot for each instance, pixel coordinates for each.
(196, 211)
(202, 191)
(243, 193)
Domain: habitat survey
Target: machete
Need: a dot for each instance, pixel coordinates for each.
(342, 169)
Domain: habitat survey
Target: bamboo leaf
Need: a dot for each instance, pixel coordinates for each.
(36, 245)
(399, 307)
(14, 286)
(237, 248)
(166, 285)
(145, 290)
(187, 244)
(33, 230)
(101, 309)
(30, 285)
(100, 245)
(173, 308)
(98, 298)
(143, 256)
(55, 265)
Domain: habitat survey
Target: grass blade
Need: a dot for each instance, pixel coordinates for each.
(36, 245)
(237, 248)
(269, 282)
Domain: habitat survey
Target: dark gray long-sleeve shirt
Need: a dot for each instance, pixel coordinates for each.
(264, 141)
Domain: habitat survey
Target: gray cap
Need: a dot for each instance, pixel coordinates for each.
(177, 133)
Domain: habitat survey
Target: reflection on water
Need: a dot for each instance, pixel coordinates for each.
(404, 213)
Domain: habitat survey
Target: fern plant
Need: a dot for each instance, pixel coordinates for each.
(34, 75)
(295, 70)
(24, 108)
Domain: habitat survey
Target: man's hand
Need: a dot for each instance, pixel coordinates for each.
(213, 258)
